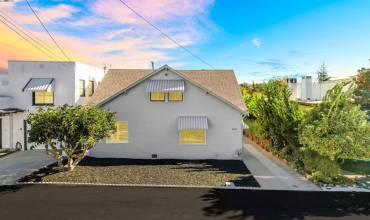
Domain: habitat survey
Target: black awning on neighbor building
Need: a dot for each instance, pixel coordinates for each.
(7, 111)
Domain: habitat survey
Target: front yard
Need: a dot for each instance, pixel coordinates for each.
(157, 172)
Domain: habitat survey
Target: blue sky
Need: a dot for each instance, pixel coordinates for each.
(258, 39)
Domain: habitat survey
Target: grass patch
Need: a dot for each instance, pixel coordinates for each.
(361, 167)
(166, 172)
(306, 108)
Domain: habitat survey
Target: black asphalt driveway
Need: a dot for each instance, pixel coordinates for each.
(101, 202)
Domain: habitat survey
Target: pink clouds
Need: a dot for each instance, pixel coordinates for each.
(157, 10)
(46, 14)
(118, 37)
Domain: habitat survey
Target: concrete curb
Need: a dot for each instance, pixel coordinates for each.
(137, 185)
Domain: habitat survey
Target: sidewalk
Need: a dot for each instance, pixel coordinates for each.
(272, 173)
(21, 163)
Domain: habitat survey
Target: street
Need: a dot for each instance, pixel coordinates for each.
(107, 202)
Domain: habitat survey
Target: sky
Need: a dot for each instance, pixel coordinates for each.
(258, 39)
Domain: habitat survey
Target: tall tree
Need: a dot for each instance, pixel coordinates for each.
(278, 115)
(70, 131)
(322, 73)
(362, 91)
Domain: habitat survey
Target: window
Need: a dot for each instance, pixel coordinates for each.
(91, 88)
(43, 98)
(157, 96)
(175, 96)
(192, 136)
(121, 134)
(82, 88)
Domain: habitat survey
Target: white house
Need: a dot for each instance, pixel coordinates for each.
(309, 90)
(33, 84)
(167, 113)
(163, 113)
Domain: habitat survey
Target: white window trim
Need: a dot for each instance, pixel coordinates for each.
(195, 144)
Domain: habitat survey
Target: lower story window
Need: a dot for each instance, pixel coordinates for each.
(43, 98)
(121, 134)
(192, 136)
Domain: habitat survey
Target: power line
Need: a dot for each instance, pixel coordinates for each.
(30, 42)
(46, 30)
(166, 35)
(33, 38)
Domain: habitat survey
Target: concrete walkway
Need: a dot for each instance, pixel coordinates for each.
(21, 163)
(272, 173)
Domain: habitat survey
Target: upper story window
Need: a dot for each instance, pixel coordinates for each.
(157, 96)
(91, 87)
(175, 96)
(82, 88)
(42, 90)
(43, 98)
(166, 90)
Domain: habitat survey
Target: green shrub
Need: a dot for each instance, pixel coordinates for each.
(322, 169)
(255, 129)
(251, 101)
(278, 115)
(336, 128)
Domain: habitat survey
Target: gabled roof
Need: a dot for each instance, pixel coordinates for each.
(220, 83)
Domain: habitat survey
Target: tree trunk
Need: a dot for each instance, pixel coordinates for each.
(70, 165)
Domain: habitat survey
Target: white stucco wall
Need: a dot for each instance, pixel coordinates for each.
(5, 132)
(319, 90)
(20, 72)
(308, 90)
(153, 125)
(86, 72)
(4, 84)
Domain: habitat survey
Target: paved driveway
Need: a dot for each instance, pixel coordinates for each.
(106, 202)
(21, 163)
(272, 173)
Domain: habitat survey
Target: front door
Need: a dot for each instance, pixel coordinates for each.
(25, 134)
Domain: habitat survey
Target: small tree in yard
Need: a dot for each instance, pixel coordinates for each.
(337, 129)
(70, 131)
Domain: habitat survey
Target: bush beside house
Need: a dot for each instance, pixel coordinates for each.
(314, 142)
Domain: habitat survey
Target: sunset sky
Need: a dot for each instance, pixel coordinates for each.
(259, 39)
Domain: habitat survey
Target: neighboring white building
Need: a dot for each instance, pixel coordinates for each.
(308, 90)
(33, 84)
(167, 113)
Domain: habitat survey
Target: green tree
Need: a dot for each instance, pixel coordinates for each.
(251, 101)
(362, 91)
(278, 115)
(70, 131)
(336, 128)
(322, 73)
